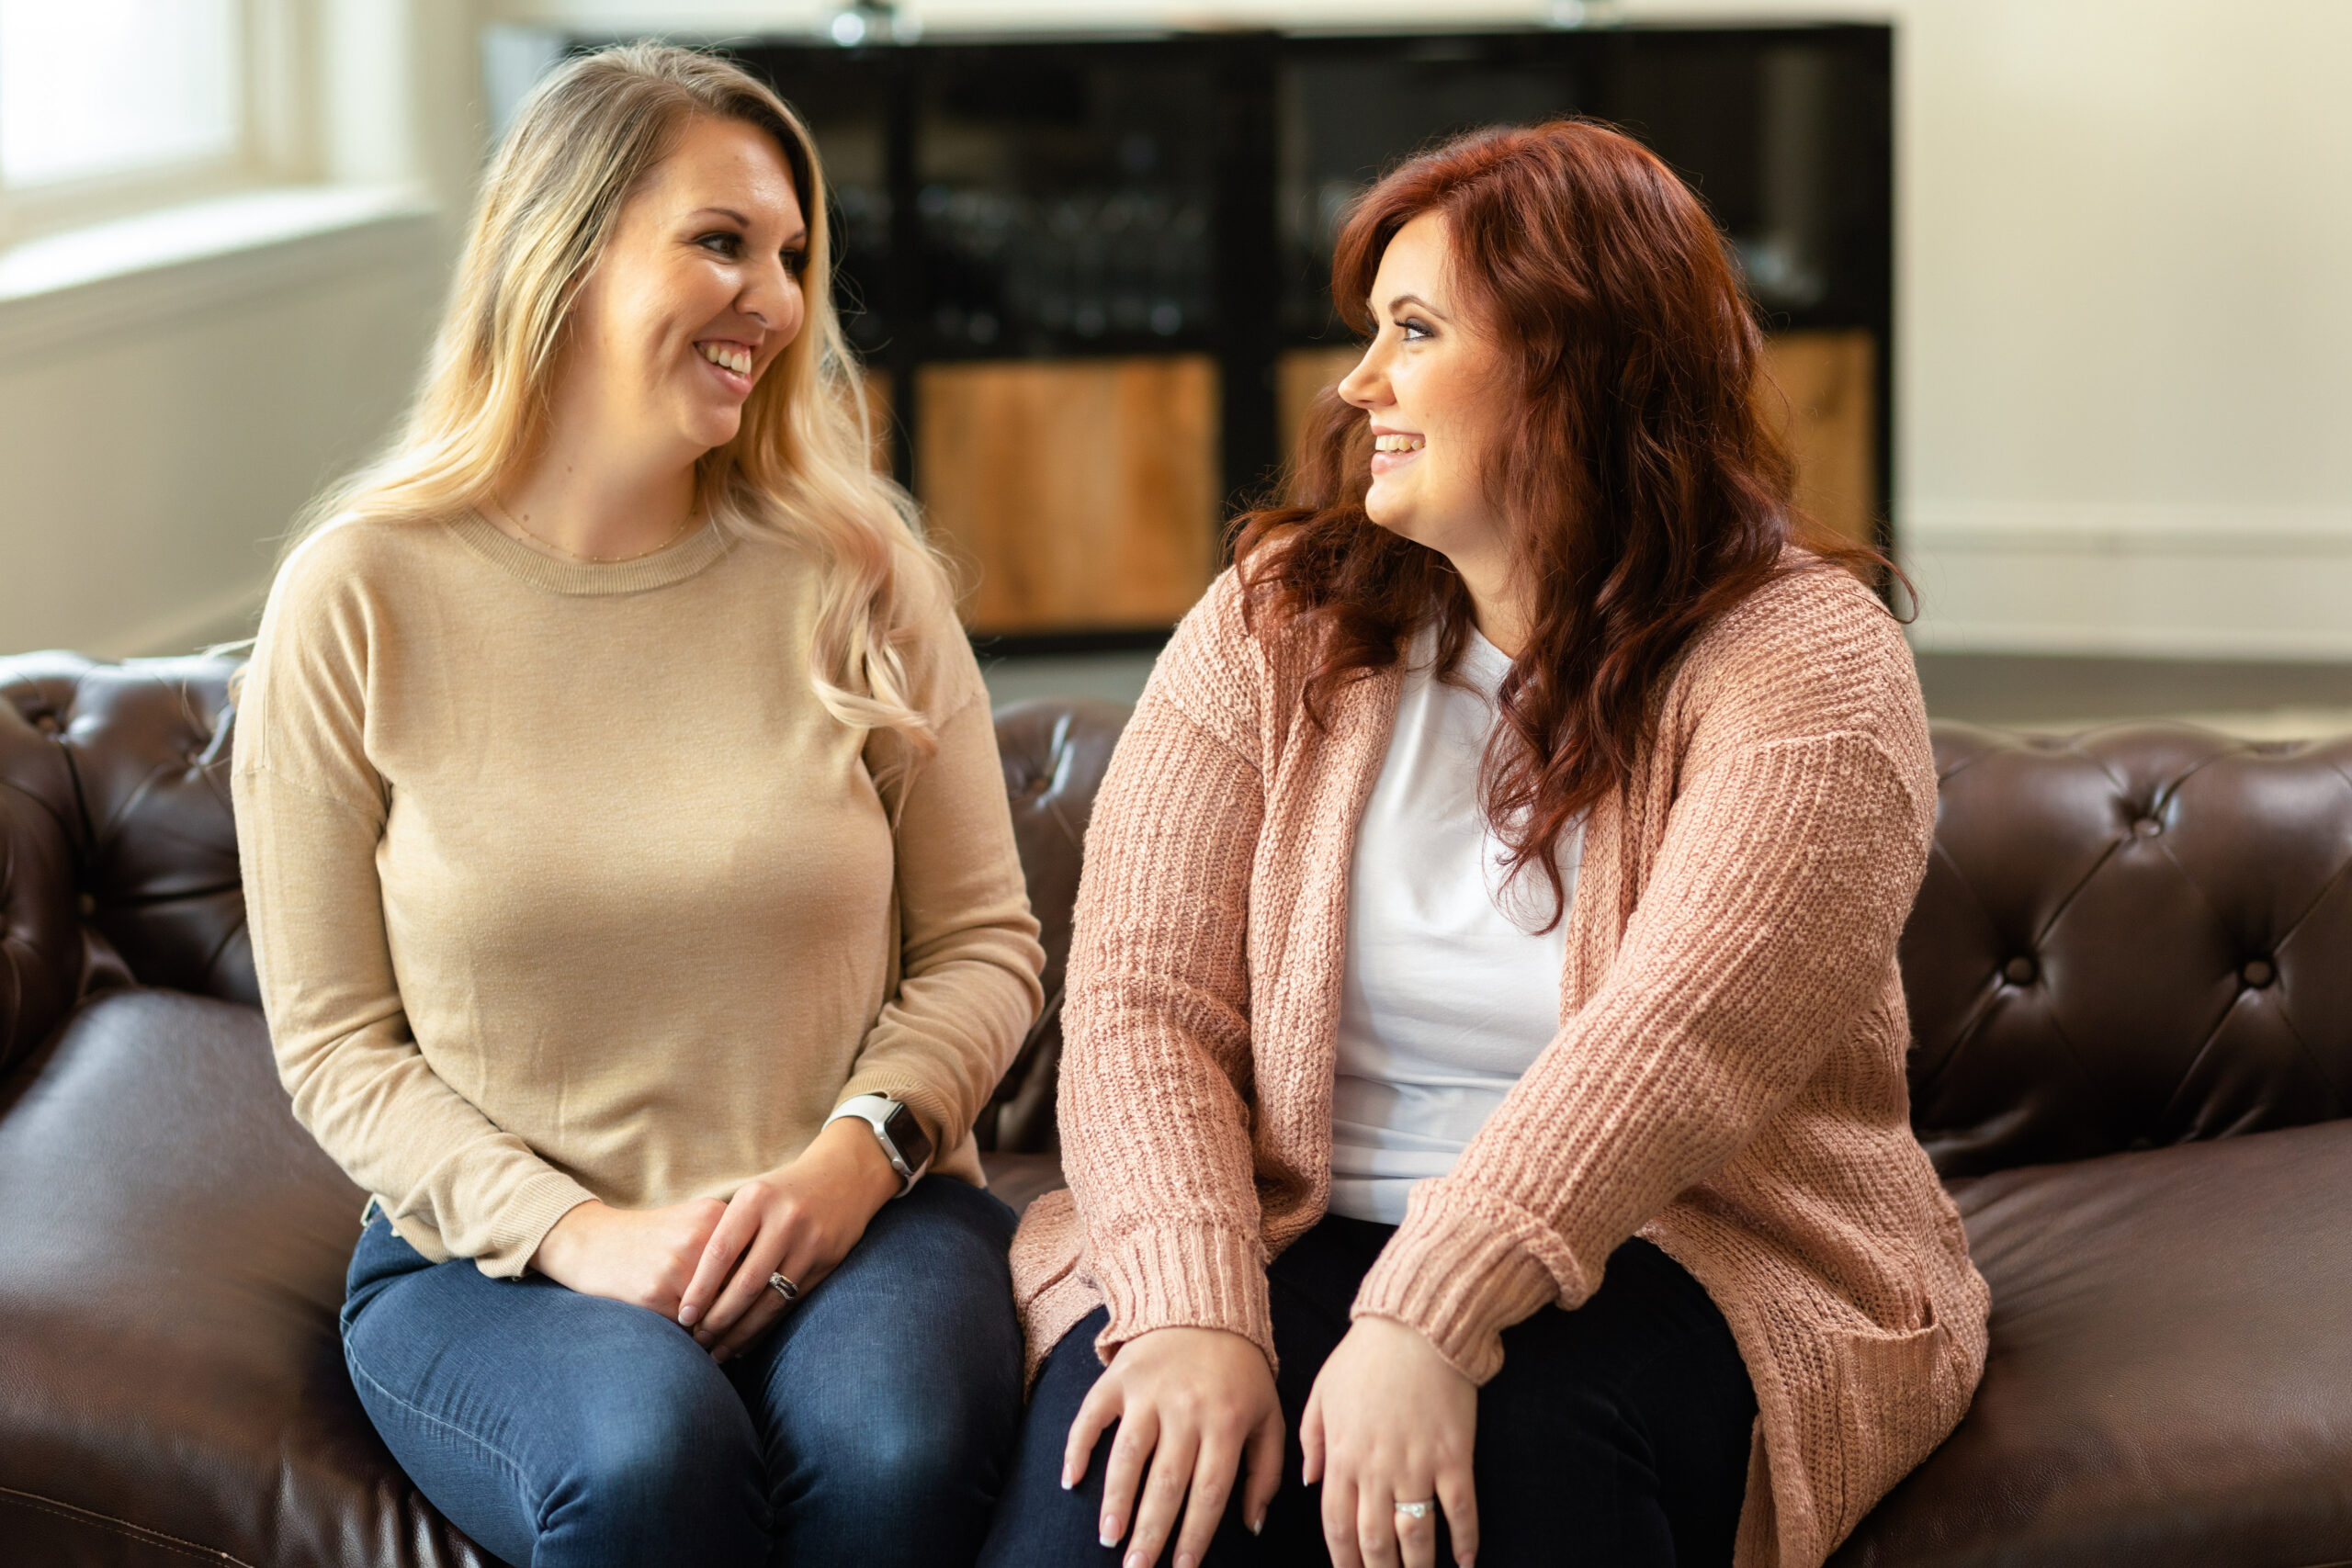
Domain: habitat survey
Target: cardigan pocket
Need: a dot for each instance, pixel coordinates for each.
(1894, 1399)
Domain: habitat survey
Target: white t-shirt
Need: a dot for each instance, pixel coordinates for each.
(1448, 994)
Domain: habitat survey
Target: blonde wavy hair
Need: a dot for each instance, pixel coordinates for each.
(797, 471)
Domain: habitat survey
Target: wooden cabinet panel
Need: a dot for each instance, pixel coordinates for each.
(1300, 374)
(1818, 392)
(1080, 494)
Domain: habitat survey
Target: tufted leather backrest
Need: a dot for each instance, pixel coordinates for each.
(2132, 937)
(123, 768)
(1054, 751)
(2128, 937)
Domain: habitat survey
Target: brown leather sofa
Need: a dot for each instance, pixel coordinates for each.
(2130, 981)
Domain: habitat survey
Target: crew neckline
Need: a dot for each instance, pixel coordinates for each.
(1487, 663)
(668, 565)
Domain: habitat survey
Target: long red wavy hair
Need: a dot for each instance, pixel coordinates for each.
(1644, 494)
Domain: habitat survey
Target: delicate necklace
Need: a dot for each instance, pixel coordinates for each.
(516, 524)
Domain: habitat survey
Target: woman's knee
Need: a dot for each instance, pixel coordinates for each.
(662, 1452)
(557, 1428)
(680, 1459)
(885, 1484)
(911, 1443)
(910, 1358)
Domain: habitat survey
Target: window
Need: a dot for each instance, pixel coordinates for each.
(109, 105)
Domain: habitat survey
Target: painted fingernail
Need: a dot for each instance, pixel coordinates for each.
(1135, 1560)
(1258, 1524)
(687, 1317)
(1068, 1481)
(1186, 1560)
(1110, 1534)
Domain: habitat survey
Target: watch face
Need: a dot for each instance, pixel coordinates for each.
(907, 1136)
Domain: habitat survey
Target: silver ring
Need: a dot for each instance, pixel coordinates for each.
(785, 1288)
(1417, 1510)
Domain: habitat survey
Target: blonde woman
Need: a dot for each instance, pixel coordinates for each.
(632, 884)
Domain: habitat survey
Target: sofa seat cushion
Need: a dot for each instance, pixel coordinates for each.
(2170, 1380)
(171, 1384)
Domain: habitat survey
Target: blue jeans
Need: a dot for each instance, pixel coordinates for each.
(1616, 1436)
(873, 1425)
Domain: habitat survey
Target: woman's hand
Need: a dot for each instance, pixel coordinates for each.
(1390, 1422)
(1197, 1403)
(798, 1221)
(643, 1257)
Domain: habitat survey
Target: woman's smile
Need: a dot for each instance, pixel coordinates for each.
(734, 364)
(1393, 449)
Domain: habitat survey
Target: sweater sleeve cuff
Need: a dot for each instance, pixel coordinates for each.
(1462, 1269)
(1183, 1276)
(526, 1219)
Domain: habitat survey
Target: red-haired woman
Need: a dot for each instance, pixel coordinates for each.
(1486, 1051)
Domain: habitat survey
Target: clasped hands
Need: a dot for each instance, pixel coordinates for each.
(704, 1264)
(1388, 1421)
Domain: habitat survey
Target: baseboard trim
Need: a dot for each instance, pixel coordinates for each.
(2231, 644)
(2149, 581)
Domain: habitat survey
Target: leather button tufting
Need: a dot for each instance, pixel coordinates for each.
(2018, 971)
(2147, 826)
(2144, 1013)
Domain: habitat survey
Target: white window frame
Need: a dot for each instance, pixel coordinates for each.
(277, 140)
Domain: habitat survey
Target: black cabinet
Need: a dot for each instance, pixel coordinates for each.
(1153, 218)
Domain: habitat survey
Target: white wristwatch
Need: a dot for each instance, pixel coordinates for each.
(903, 1141)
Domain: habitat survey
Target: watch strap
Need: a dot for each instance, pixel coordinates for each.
(877, 1111)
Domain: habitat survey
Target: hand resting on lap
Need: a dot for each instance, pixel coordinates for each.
(1196, 1404)
(705, 1263)
(1389, 1421)
(643, 1257)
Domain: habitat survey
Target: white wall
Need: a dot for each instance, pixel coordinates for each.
(158, 432)
(151, 462)
(2126, 325)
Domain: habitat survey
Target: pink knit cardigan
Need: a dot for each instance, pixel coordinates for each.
(1727, 1081)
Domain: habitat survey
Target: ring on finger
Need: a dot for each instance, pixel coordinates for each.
(1420, 1510)
(785, 1288)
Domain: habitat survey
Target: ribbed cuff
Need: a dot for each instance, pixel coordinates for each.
(1184, 1277)
(1458, 1270)
(526, 1220)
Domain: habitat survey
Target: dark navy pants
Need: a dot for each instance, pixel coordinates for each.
(1616, 1436)
(873, 1425)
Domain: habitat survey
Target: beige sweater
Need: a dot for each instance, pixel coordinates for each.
(562, 883)
(1727, 1081)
